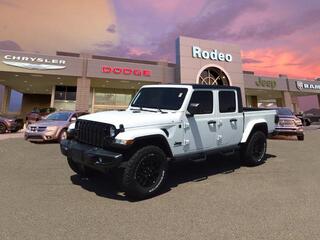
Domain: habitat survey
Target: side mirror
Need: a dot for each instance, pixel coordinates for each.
(73, 119)
(193, 109)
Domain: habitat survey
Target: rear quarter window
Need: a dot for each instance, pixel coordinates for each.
(227, 101)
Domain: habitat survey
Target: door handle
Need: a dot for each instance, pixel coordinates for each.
(212, 122)
(233, 120)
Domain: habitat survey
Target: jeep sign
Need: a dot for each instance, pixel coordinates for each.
(197, 52)
(266, 83)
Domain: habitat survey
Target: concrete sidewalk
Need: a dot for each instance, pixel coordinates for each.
(19, 134)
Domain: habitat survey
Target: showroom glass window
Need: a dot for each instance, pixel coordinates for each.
(65, 93)
(111, 99)
(227, 101)
(204, 101)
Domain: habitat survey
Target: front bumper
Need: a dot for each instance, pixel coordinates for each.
(289, 131)
(90, 156)
(40, 136)
(15, 126)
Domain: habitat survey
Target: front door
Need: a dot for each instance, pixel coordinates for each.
(200, 128)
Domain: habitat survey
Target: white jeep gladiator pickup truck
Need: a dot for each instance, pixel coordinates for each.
(166, 123)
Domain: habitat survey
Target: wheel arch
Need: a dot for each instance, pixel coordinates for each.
(59, 132)
(253, 127)
(155, 140)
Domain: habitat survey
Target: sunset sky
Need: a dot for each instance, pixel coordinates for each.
(275, 36)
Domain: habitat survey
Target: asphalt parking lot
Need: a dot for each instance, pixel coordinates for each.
(41, 198)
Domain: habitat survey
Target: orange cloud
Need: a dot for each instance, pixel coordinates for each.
(135, 51)
(278, 61)
(48, 26)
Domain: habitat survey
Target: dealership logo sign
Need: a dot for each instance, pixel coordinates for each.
(126, 71)
(312, 86)
(266, 83)
(37, 63)
(197, 52)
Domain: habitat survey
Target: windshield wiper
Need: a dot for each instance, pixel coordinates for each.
(143, 109)
(160, 110)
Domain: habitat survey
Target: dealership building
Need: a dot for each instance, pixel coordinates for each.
(85, 82)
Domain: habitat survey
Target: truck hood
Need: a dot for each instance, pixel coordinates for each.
(133, 119)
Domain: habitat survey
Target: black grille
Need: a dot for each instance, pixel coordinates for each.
(92, 133)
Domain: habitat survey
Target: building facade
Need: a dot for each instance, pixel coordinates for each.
(84, 82)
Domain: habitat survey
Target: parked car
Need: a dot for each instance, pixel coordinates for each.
(289, 124)
(310, 116)
(166, 123)
(37, 114)
(10, 123)
(53, 127)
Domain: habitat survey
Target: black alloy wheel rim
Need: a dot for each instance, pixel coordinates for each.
(149, 170)
(258, 150)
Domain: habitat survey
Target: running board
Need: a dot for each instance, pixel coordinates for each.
(200, 157)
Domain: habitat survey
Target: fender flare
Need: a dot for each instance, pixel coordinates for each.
(250, 126)
(141, 135)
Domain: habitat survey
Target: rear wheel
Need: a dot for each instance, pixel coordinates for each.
(3, 128)
(145, 172)
(307, 122)
(254, 151)
(300, 137)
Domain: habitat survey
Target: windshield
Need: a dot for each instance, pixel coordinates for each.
(160, 98)
(59, 116)
(284, 111)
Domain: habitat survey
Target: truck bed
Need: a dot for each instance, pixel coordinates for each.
(260, 114)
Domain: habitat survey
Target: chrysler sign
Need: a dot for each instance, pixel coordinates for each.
(38, 63)
(197, 52)
(311, 86)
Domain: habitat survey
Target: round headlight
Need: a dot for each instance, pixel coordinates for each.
(112, 131)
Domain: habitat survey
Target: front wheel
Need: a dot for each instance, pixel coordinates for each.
(3, 128)
(254, 151)
(145, 172)
(62, 135)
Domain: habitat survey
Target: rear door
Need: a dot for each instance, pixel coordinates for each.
(230, 121)
(200, 129)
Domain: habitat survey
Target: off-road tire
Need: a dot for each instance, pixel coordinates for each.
(253, 153)
(300, 137)
(145, 173)
(3, 128)
(79, 169)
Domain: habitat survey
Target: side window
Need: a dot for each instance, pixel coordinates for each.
(204, 101)
(227, 101)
